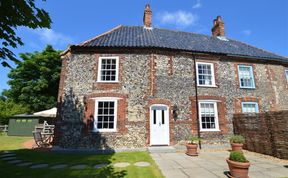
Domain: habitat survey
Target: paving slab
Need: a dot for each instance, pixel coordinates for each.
(174, 173)
(213, 164)
(79, 166)
(6, 151)
(59, 166)
(7, 155)
(98, 166)
(121, 164)
(16, 161)
(24, 164)
(186, 163)
(142, 164)
(199, 173)
(257, 175)
(38, 166)
(9, 158)
(265, 165)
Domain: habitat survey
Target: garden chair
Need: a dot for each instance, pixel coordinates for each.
(39, 140)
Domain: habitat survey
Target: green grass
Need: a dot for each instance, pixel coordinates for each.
(11, 142)
(8, 170)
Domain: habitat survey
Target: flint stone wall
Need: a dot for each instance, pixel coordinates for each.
(176, 87)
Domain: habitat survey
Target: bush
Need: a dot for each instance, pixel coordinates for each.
(238, 157)
(8, 109)
(237, 139)
(193, 140)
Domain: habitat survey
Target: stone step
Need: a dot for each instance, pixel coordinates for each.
(161, 149)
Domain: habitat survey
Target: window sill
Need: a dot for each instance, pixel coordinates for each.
(107, 82)
(103, 131)
(208, 86)
(249, 88)
(212, 130)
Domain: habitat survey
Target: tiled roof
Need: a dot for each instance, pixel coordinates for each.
(140, 37)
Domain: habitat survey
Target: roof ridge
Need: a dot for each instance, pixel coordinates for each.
(176, 31)
(102, 34)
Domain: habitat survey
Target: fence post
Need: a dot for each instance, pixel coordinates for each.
(5, 128)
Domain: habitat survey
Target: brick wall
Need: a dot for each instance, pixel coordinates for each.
(265, 133)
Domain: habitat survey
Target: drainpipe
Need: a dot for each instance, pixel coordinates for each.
(196, 98)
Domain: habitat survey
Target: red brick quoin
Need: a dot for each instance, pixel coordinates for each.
(121, 109)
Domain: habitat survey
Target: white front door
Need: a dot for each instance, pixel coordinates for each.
(159, 125)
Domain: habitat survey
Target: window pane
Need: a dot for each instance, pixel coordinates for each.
(163, 117)
(111, 118)
(111, 125)
(100, 118)
(154, 116)
(99, 125)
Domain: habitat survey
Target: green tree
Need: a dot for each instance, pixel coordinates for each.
(8, 108)
(17, 13)
(34, 82)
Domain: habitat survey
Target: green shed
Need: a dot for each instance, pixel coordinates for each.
(23, 125)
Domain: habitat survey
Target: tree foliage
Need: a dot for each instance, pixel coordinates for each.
(8, 108)
(13, 14)
(34, 82)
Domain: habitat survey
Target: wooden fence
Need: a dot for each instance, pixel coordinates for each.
(3, 128)
(265, 133)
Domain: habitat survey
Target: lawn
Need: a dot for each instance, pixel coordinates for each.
(12, 142)
(9, 170)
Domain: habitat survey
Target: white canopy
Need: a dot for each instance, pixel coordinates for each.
(47, 113)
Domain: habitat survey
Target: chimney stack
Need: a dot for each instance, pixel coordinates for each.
(147, 16)
(218, 27)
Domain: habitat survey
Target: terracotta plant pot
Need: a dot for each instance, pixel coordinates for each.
(236, 146)
(191, 149)
(238, 169)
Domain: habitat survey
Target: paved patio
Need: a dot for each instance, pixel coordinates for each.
(212, 164)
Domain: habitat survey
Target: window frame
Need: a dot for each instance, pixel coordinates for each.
(212, 74)
(252, 76)
(216, 118)
(256, 107)
(100, 68)
(95, 129)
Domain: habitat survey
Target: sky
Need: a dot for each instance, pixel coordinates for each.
(261, 23)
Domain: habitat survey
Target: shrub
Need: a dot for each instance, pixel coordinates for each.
(238, 157)
(237, 139)
(193, 140)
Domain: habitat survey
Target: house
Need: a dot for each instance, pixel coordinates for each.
(136, 86)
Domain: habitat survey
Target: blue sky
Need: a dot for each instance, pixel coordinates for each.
(262, 23)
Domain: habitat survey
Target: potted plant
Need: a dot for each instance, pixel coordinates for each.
(237, 142)
(238, 165)
(192, 146)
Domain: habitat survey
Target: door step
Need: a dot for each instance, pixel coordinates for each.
(161, 149)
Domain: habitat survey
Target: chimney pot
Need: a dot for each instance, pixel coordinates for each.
(218, 27)
(147, 19)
